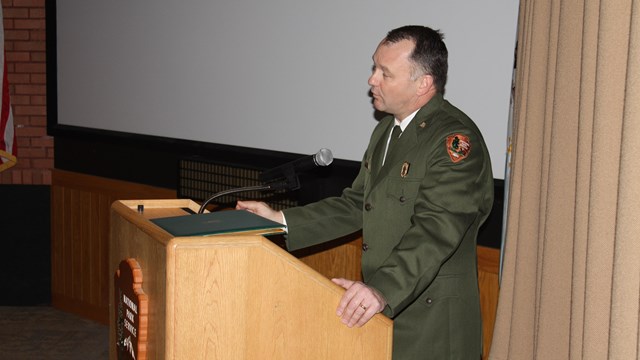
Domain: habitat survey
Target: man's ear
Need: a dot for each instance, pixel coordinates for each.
(427, 84)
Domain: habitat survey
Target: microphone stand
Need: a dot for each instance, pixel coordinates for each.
(273, 186)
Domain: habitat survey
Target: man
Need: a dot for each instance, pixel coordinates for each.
(419, 204)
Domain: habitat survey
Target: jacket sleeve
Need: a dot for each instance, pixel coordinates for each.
(333, 217)
(326, 219)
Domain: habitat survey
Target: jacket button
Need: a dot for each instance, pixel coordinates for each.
(368, 206)
(429, 301)
(402, 199)
(365, 247)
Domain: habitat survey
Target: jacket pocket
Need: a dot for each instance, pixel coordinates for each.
(442, 288)
(403, 191)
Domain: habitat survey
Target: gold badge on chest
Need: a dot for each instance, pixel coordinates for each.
(404, 171)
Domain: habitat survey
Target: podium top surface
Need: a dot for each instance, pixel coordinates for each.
(152, 209)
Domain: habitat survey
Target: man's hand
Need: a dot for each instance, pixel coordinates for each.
(359, 303)
(262, 209)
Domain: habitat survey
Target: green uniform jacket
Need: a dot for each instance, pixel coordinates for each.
(419, 214)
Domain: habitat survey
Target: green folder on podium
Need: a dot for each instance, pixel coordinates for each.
(218, 223)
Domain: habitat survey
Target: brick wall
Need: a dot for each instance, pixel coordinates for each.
(24, 32)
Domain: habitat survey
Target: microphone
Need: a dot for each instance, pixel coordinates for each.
(323, 157)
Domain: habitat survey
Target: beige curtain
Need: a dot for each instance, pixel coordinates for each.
(571, 276)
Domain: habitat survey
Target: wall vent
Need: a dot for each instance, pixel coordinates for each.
(199, 179)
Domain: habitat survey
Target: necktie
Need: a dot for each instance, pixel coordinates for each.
(395, 135)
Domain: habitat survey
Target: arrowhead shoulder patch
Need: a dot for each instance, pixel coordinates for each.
(458, 147)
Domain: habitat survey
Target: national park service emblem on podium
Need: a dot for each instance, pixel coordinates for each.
(131, 312)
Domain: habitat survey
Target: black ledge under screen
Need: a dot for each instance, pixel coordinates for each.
(154, 161)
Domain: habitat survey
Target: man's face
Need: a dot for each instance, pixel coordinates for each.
(392, 87)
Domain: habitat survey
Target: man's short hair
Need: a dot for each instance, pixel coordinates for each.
(429, 55)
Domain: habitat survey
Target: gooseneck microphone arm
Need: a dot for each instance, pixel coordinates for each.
(283, 177)
(273, 186)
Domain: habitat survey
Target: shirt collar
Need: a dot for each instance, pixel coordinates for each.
(406, 121)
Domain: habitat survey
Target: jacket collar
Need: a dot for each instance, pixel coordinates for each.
(407, 141)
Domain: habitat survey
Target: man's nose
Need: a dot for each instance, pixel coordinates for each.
(372, 80)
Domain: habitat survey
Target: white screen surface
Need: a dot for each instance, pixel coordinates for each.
(281, 75)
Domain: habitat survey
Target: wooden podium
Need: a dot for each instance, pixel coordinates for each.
(231, 297)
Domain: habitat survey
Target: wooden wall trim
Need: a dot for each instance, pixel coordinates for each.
(103, 185)
(488, 283)
(80, 208)
(488, 259)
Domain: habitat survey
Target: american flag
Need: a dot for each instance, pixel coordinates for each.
(8, 145)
